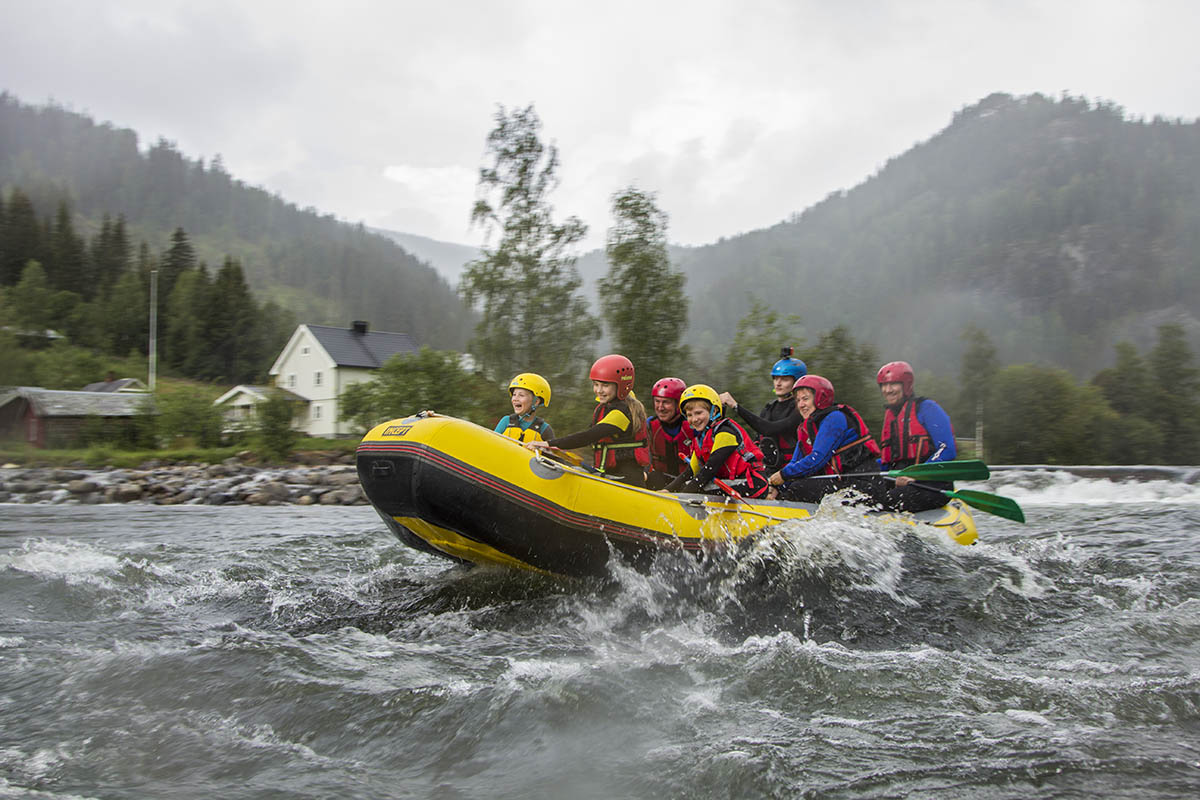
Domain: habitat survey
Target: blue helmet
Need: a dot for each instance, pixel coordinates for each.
(789, 367)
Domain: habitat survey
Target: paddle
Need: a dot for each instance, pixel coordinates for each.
(965, 470)
(566, 455)
(985, 501)
(729, 490)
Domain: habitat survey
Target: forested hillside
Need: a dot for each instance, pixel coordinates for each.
(1057, 226)
(323, 270)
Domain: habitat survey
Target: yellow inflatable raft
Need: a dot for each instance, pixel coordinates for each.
(450, 487)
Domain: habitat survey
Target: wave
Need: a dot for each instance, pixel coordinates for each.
(1095, 485)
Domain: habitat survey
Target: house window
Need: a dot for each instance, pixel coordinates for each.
(304, 350)
(316, 412)
(317, 378)
(291, 380)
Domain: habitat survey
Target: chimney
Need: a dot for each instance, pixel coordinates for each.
(359, 326)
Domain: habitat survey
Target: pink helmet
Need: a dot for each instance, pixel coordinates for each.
(670, 388)
(821, 388)
(897, 372)
(614, 369)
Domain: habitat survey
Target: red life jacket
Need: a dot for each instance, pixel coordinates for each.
(904, 439)
(743, 461)
(606, 449)
(665, 448)
(848, 458)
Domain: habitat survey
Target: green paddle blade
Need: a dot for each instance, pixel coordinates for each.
(991, 503)
(965, 470)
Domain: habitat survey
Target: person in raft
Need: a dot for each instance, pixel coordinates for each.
(618, 433)
(832, 440)
(529, 392)
(668, 433)
(717, 447)
(779, 420)
(915, 431)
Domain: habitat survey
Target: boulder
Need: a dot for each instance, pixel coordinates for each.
(123, 493)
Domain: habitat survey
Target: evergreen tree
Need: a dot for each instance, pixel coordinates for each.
(110, 252)
(232, 327)
(645, 307)
(69, 268)
(532, 316)
(185, 317)
(20, 238)
(178, 258)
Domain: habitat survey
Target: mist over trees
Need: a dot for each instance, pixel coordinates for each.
(96, 295)
(325, 270)
(1055, 226)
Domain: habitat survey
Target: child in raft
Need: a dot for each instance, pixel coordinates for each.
(618, 433)
(529, 392)
(717, 447)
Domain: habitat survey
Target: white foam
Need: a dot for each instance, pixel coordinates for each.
(72, 561)
(1062, 488)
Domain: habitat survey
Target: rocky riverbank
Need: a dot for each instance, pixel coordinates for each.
(230, 482)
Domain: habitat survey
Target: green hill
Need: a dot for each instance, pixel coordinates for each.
(324, 270)
(1058, 226)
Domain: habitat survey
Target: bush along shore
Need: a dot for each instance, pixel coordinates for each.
(233, 481)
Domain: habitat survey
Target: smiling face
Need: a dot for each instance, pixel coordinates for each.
(783, 385)
(605, 392)
(522, 401)
(666, 409)
(697, 413)
(893, 393)
(806, 401)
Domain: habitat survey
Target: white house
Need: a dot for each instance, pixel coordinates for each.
(320, 361)
(239, 406)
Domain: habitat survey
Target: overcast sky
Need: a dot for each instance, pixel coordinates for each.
(736, 114)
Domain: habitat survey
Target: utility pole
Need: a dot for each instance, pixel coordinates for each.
(979, 429)
(153, 327)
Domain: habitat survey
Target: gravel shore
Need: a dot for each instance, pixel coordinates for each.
(230, 482)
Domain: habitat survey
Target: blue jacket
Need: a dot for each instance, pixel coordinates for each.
(834, 432)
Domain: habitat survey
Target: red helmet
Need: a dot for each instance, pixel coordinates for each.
(614, 369)
(897, 372)
(821, 388)
(670, 388)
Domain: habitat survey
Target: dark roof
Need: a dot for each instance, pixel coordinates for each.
(370, 349)
(115, 385)
(55, 403)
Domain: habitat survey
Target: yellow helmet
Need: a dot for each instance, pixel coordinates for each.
(535, 384)
(702, 391)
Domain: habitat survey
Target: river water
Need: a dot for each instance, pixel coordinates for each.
(197, 651)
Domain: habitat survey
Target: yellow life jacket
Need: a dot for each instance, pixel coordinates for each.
(534, 433)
